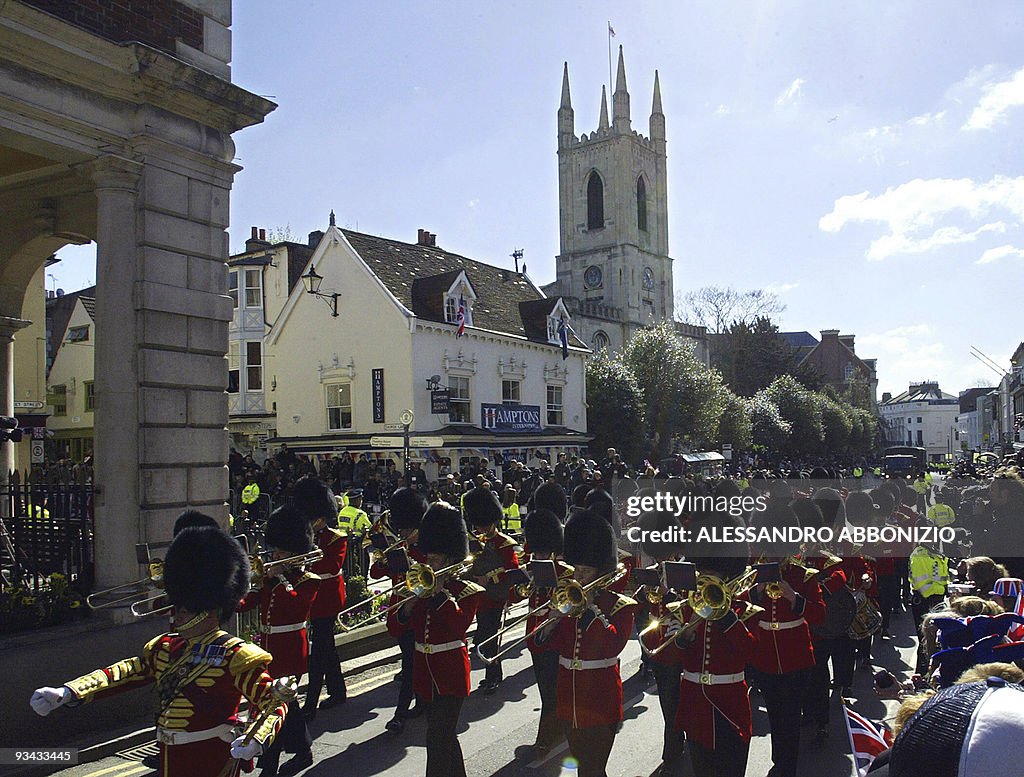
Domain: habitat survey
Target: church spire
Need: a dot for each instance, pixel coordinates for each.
(657, 117)
(566, 130)
(620, 98)
(603, 117)
(656, 105)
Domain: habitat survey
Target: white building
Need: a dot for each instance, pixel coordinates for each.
(923, 416)
(341, 382)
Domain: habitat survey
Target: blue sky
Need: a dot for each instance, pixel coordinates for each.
(861, 159)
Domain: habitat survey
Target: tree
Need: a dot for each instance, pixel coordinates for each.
(750, 355)
(615, 408)
(802, 409)
(717, 308)
(683, 397)
(768, 428)
(735, 426)
(837, 423)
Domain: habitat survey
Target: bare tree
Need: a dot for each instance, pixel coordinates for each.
(718, 308)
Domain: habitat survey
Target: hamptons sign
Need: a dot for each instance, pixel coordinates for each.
(510, 418)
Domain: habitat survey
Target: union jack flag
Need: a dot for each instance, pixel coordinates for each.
(563, 337)
(867, 740)
(1016, 632)
(460, 317)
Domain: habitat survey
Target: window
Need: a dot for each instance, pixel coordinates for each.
(254, 366)
(849, 372)
(600, 341)
(595, 202)
(233, 286)
(555, 415)
(339, 406)
(510, 392)
(253, 289)
(451, 309)
(920, 437)
(919, 419)
(458, 400)
(58, 399)
(78, 334)
(233, 361)
(90, 396)
(641, 204)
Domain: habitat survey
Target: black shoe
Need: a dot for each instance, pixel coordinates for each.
(415, 712)
(297, 764)
(490, 687)
(333, 701)
(396, 725)
(151, 762)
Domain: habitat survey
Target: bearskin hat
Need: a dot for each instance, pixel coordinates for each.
(551, 496)
(191, 518)
(590, 540)
(579, 494)
(859, 509)
(443, 531)
(314, 499)
(205, 569)
(407, 507)
(481, 508)
(728, 559)
(543, 531)
(288, 529)
(660, 521)
(808, 513)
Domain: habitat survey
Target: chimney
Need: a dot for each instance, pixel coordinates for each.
(829, 334)
(257, 240)
(847, 340)
(432, 238)
(315, 237)
(263, 234)
(886, 396)
(425, 238)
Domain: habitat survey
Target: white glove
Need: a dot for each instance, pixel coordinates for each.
(247, 751)
(46, 700)
(673, 628)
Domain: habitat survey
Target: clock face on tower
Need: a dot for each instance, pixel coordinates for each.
(593, 276)
(648, 278)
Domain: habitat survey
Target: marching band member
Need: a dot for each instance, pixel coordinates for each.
(284, 601)
(543, 534)
(318, 506)
(406, 509)
(439, 624)
(482, 512)
(666, 665)
(589, 684)
(201, 671)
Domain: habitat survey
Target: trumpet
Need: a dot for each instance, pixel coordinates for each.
(127, 593)
(711, 601)
(261, 569)
(773, 590)
(568, 599)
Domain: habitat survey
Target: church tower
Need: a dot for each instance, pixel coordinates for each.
(613, 267)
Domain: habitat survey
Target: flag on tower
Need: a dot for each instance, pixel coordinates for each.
(610, 30)
(563, 337)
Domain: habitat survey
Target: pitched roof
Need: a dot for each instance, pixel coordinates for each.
(969, 398)
(89, 303)
(923, 392)
(799, 339)
(58, 313)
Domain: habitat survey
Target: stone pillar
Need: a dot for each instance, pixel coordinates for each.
(8, 326)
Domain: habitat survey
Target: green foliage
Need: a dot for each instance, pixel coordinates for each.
(55, 602)
(802, 410)
(769, 430)
(735, 425)
(750, 355)
(615, 408)
(837, 423)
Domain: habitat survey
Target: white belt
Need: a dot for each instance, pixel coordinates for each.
(780, 625)
(328, 577)
(283, 629)
(704, 678)
(442, 647)
(225, 732)
(577, 664)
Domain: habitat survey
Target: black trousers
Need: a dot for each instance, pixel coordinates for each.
(292, 738)
(444, 754)
(487, 625)
(591, 748)
(407, 644)
(323, 663)
(666, 677)
(888, 597)
(727, 759)
(816, 699)
(782, 697)
(551, 730)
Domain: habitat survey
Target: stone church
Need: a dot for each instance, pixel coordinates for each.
(613, 271)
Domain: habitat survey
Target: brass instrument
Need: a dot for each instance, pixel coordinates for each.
(773, 590)
(127, 593)
(261, 569)
(569, 599)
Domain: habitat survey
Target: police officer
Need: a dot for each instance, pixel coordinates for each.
(929, 575)
(510, 510)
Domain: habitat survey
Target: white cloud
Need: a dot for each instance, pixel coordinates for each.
(791, 93)
(996, 99)
(905, 354)
(722, 110)
(473, 203)
(780, 288)
(911, 210)
(927, 118)
(995, 254)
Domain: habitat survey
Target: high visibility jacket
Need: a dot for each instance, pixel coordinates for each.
(858, 472)
(743, 484)
(877, 471)
(920, 487)
(929, 572)
(927, 478)
(941, 515)
(353, 520)
(250, 494)
(513, 521)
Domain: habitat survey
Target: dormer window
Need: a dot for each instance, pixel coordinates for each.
(556, 318)
(460, 296)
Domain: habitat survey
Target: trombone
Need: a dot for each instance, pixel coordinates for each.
(261, 569)
(568, 599)
(129, 592)
(711, 601)
(773, 590)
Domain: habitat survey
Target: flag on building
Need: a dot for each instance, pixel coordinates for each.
(460, 317)
(610, 30)
(867, 740)
(563, 337)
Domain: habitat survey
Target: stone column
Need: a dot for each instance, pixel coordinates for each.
(8, 326)
(117, 432)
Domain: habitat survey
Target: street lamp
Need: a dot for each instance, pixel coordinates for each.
(312, 280)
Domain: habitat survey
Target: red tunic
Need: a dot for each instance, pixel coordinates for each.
(505, 548)
(330, 598)
(589, 684)
(656, 637)
(381, 569)
(284, 611)
(538, 598)
(441, 660)
(712, 678)
(781, 632)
